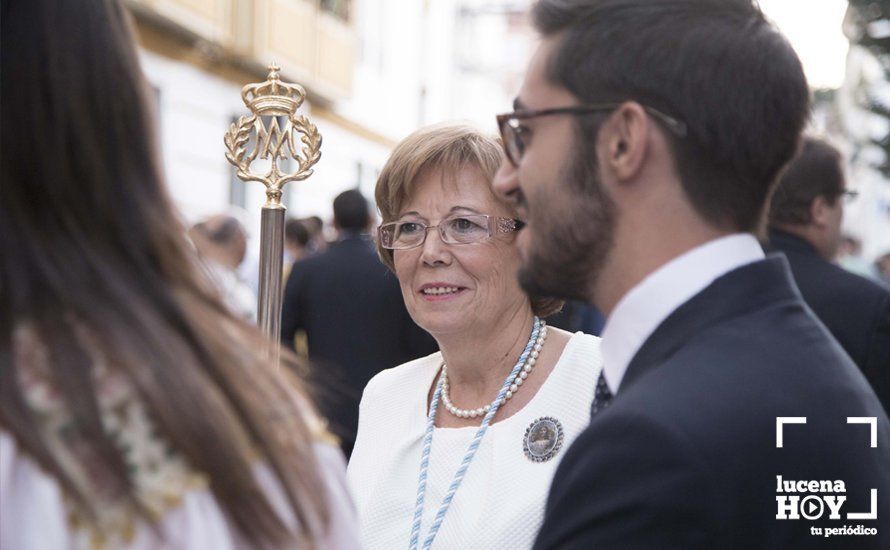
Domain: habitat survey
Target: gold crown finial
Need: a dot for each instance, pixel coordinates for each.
(273, 97)
(261, 135)
(274, 69)
(287, 146)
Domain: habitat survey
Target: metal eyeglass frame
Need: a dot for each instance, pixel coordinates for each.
(511, 121)
(493, 223)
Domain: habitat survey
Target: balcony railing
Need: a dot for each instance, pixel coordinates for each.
(310, 39)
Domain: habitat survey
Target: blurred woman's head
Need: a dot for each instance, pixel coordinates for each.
(79, 160)
(460, 275)
(90, 241)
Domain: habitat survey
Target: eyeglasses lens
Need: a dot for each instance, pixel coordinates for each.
(464, 230)
(461, 230)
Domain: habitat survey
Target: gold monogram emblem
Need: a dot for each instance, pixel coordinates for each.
(273, 103)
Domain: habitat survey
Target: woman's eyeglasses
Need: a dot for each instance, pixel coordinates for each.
(465, 229)
(513, 133)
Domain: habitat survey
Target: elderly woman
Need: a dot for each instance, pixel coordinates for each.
(459, 447)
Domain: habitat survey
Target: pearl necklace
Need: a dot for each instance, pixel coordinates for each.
(514, 387)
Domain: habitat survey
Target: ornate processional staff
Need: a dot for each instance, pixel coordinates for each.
(260, 135)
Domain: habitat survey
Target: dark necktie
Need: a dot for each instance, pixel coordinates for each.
(602, 398)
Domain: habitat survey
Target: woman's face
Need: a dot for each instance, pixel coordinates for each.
(458, 288)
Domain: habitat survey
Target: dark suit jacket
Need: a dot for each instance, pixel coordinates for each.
(855, 310)
(686, 456)
(356, 324)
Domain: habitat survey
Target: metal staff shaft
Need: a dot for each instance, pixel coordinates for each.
(261, 136)
(271, 259)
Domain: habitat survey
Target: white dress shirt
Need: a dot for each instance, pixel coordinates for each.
(645, 306)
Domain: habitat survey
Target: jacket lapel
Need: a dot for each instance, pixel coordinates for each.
(748, 288)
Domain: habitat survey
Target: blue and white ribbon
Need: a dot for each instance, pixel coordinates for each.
(468, 456)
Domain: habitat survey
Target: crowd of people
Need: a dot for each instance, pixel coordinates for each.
(654, 173)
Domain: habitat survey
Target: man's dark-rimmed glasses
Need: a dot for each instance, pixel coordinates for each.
(512, 131)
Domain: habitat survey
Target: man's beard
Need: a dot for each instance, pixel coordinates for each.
(572, 241)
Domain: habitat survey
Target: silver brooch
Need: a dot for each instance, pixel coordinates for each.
(543, 439)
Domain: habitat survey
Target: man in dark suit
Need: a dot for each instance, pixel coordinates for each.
(805, 224)
(351, 308)
(646, 140)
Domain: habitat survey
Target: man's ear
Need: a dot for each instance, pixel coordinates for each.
(626, 135)
(819, 211)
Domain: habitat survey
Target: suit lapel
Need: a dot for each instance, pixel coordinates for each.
(745, 289)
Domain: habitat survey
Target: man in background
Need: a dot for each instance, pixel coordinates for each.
(351, 309)
(296, 241)
(221, 241)
(805, 223)
(317, 242)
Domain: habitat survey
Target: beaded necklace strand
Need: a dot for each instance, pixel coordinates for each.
(468, 456)
(514, 387)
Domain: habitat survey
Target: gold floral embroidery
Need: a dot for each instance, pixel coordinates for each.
(161, 477)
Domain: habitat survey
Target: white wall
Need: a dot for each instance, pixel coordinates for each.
(406, 47)
(386, 90)
(868, 217)
(195, 108)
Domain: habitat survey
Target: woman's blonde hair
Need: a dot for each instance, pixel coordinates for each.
(449, 147)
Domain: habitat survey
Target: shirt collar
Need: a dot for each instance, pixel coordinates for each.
(645, 306)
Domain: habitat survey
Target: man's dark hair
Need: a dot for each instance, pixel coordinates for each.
(351, 211)
(314, 224)
(815, 172)
(221, 230)
(717, 65)
(295, 231)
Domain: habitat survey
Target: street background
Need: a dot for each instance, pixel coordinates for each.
(375, 70)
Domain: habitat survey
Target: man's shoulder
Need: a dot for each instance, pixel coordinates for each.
(859, 288)
(811, 271)
(760, 345)
(694, 435)
(713, 458)
(758, 356)
(716, 402)
(359, 253)
(309, 263)
(346, 257)
(723, 390)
